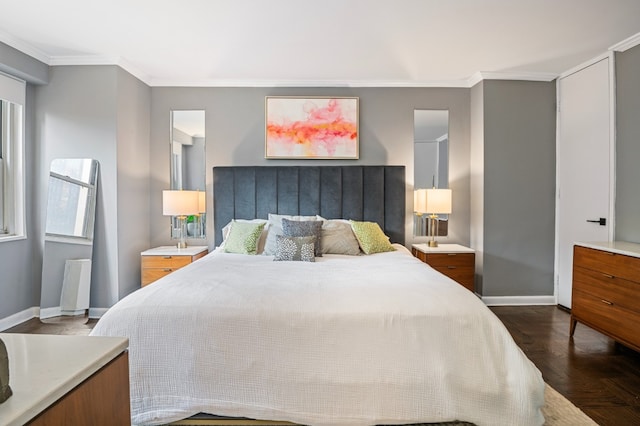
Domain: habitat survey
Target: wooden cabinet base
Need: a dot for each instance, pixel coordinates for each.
(102, 399)
(606, 294)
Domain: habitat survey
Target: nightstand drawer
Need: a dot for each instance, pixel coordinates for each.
(165, 261)
(450, 259)
(161, 261)
(453, 260)
(151, 275)
(462, 274)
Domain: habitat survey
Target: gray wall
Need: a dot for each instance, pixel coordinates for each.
(20, 261)
(235, 136)
(628, 145)
(476, 199)
(519, 188)
(134, 110)
(102, 112)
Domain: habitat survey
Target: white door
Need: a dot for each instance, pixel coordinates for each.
(584, 166)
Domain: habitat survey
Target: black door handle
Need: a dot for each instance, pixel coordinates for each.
(602, 221)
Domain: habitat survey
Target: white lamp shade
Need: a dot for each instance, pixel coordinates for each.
(420, 201)
(438, 201)
(202, 202)
(179, 203)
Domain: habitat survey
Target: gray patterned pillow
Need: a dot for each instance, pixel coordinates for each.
(304, 228)
(295, 248)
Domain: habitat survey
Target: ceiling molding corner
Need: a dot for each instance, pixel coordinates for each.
(24, 47)
(626, 44)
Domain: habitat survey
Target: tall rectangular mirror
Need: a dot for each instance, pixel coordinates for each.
(431, 161)
(68, 242)
(188, 167)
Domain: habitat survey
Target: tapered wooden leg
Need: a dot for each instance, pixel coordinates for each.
(572, 326)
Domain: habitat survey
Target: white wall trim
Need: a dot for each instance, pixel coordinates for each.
(307, 83)
(626, 44)
(97, 312)
(518, 300)
(585, 64)
(19, 318)
(24, 47)
(52, 312)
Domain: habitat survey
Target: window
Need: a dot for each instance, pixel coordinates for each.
(12, 218)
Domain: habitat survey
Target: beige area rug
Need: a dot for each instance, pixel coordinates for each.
(557, 410)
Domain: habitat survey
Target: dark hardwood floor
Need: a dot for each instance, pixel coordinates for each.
(599, 376)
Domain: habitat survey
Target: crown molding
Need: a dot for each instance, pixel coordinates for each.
(101, 60)
(518, 76)
(306, 83)
(24, 47)
(626, 44)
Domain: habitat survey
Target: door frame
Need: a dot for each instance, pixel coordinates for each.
(612, 155)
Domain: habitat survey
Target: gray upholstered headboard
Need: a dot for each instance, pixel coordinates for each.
(371, 193)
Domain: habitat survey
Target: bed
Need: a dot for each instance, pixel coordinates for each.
(345, 340)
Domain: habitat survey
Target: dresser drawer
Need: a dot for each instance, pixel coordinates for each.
(613, 320)
(607, 287)
(617, 265)
(165, 261)
(450, 259)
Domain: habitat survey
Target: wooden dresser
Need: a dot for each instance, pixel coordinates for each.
(453, 260)
(66, 380)
(606, 290)
(160, 261)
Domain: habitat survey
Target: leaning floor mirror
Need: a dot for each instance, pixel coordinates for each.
(68, 241)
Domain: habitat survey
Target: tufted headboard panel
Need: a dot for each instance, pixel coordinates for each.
(371, 193)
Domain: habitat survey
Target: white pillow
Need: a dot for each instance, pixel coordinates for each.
(275, 229)
(261, 240)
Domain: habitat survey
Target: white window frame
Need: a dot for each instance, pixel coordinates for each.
(12, 168)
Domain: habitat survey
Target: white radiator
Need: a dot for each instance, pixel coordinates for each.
(74, 299)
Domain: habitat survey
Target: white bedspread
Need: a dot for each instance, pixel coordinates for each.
(347, 340)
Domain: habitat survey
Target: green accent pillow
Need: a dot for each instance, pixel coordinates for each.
(243, 237)
(295, 248)
(371, 238)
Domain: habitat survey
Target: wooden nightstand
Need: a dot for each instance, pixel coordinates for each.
(160, 261)
(455, 261)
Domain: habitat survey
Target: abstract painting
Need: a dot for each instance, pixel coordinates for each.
(311, 127)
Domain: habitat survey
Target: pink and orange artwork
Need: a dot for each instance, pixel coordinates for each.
(311, 128)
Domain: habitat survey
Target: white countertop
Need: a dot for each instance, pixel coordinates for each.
(443, 248)
(174, 251)
(43, 368)
(620, 247)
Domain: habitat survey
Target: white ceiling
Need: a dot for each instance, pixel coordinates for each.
(324, 43)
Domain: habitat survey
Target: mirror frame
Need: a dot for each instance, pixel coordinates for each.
(431, 126)
(187, 131)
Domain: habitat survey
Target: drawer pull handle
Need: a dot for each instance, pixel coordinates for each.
(451, 267)
(166, 257)
(608, 276)
(451, 254)
(167, 269)
(606, 302)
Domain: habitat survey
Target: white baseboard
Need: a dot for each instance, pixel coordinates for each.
(54, 311)
(36, 312)
(518, 300)
(19, 318)
(97, 312)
